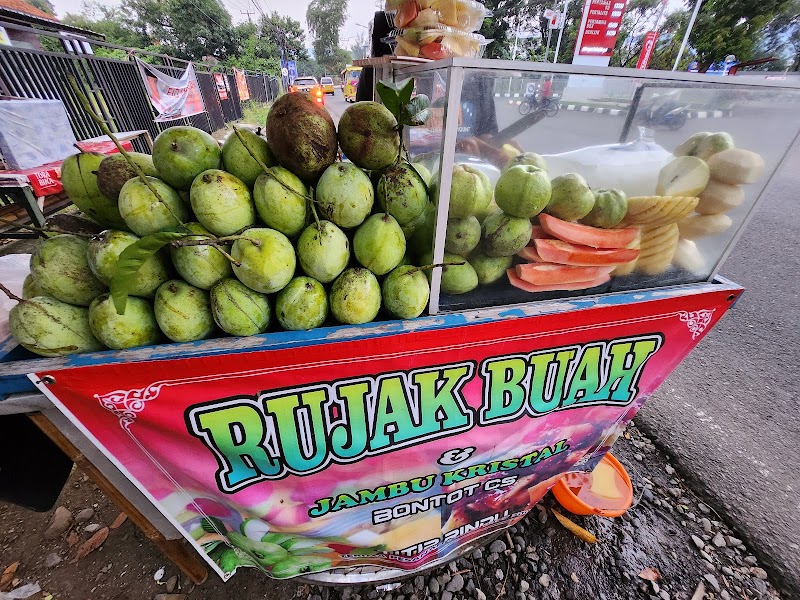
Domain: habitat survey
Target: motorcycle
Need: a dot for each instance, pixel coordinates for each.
(663, 111)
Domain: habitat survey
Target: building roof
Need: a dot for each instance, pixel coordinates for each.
(19, 6)
(20, 12)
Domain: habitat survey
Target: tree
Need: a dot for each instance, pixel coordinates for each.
(781, 36)
(325, 18)
(670, 37)
(43, 5)
(254, 52)
(640, 16)
(279, 30)
(200, 28)
(731, 27)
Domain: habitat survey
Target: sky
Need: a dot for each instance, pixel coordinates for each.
(359, 12)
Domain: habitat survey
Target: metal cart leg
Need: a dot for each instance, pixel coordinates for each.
(174, 549)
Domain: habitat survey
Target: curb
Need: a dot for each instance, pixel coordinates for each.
(622, 112)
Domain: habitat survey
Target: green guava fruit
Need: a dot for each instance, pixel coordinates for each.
(421, 241)
(183, 311)
(368, 135)
(489, 268)
(114, 172)
(522, 191)
(379, 243)
(610, 207)
(278, 207)
(470, 191)
(238, 160)
(136, 327)
(423, 172)
(462, 235)
(401, 193)
(144, 213)
(103, 255)
(571, 198)
(504, 235)
(355, 296)
(202, 266)
(79, 178)
(712, 144)
(30, 289)
(60, 268)
(458, 276)
(181, 153)
(405, 292)
(49, 327)
(323, 251)
(222, 202)
(302, 304)
(237, 309)
(527, 158)
(689, 146)
(345, 195)
(301, 135)
(267, 265)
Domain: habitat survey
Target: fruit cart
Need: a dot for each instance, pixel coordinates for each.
(355, 453)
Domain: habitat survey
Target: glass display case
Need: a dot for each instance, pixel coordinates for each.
(551, 181)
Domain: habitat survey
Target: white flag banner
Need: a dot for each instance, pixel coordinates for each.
(172, 98)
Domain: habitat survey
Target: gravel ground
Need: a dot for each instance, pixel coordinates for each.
(668, 546)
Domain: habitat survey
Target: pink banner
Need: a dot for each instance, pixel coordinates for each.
(392, 451)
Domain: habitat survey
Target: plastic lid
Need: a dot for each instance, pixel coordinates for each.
(464, 15)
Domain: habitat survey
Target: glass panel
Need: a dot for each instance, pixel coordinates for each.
(559, 141)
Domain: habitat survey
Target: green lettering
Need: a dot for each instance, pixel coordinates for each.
(349, 439)
(627, 361)
(505, 391)
(301, 441)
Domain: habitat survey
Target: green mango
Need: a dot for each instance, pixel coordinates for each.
(79, 178)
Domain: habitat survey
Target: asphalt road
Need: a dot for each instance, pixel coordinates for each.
(730, 414)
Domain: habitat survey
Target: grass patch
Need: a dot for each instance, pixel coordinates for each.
(254, 112)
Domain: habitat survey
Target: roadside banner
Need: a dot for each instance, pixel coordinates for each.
(389, 448)
(241, 84)
(173, 98)
(221, 81)
(597, 36)
(649, 44)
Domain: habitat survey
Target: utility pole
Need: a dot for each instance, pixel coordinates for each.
(248, 12)
(561, 30)
(686, 37)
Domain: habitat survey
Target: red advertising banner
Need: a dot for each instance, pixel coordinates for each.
(389, 449)
(241, 84)
(222, 85)
(649, 44)
(601, 23)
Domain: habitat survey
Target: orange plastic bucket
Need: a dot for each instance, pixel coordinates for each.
(571, 502)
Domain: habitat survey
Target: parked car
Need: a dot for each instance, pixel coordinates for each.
(327, 85)
(309, 85)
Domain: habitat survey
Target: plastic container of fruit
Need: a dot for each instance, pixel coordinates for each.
(606, 491)
(436, 43)
(465, 15)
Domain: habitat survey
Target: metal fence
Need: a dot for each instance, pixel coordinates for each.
(115, 88)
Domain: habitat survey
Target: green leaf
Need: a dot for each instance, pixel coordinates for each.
(404, 93)
(131, 260)
(416, 112)
(390, 97)
(212, 524)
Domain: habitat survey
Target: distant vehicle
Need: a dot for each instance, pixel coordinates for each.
(350, 77)
(327, 85)
(663, 110)
(309, 85)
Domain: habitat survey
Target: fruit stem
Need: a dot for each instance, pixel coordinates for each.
(316, 220)
(224, 253)
(430, 267)
(264, 167)
(9, 293)
(214, 241)
(101, 122)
